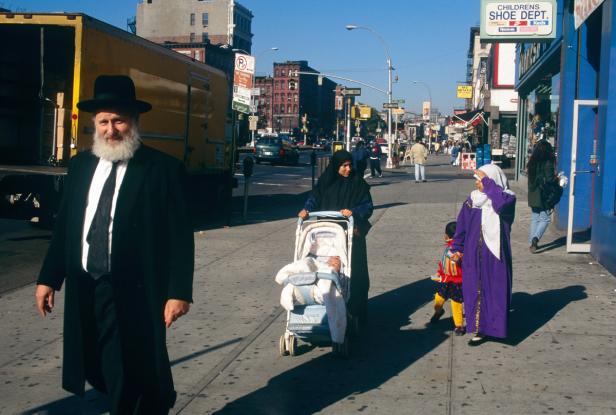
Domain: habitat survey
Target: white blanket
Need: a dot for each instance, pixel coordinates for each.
(323, 292)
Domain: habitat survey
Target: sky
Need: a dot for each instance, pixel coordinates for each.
(427, 40)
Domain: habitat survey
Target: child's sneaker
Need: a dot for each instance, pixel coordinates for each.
(437, 316)
(460, 331)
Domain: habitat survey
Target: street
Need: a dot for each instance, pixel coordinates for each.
(558, 357)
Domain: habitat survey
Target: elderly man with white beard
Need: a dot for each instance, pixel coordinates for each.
(124, 248)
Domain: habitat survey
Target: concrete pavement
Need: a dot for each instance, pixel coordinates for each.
(558, 359)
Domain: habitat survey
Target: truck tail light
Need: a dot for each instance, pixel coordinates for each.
(281, 152)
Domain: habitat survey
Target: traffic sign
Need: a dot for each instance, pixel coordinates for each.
(399, 101)
(390, 105)
(351, 91)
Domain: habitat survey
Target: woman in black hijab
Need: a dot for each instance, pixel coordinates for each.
(340, 189)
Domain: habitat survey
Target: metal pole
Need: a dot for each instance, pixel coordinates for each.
(246, 183)
(348, 125)
(389, 164)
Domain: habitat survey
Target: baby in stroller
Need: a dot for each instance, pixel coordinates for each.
(318, 276)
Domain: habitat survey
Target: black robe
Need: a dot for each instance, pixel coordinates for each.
(152, 261)
(334, 192)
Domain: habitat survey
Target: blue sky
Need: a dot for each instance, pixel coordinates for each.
(427, 39)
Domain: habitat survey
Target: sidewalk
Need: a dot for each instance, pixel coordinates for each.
(559, 357)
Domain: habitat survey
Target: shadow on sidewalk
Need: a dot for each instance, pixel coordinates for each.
(93, 403)
(533, 311)
(557, 243)
(382, 352)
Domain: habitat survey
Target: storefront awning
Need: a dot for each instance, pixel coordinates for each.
(471, 118)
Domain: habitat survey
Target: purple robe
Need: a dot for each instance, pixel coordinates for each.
(486, 280)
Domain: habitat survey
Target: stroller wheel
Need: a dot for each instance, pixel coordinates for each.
(282, 346)
(292, 345)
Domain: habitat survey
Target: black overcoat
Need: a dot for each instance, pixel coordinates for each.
(152, 261)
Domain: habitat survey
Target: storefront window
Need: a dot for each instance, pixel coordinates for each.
(542, 112)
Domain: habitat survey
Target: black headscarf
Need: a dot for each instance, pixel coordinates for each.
(336, 192)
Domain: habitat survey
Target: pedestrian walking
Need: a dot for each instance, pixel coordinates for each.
(419, 156)
(449, 277)
(360, 158)
(483, 241)
(375, 160)
(455, 150)
(540, 168)
(124, 248)
(341, 189)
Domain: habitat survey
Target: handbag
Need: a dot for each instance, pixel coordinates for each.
(551, 192)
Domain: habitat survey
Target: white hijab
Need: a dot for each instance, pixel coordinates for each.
(490, 221)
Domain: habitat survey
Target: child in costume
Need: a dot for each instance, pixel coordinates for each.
(449, 277)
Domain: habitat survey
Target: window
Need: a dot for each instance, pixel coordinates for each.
(288, 108)
(192, 19)
(192, 38)
(283, 72)
(205, 19)
(282, 109)
(204, 37)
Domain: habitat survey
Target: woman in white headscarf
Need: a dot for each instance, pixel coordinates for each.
(482, 241)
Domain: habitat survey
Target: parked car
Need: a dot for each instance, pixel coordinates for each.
(276, 150)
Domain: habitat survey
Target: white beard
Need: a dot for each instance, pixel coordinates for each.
(118, 151)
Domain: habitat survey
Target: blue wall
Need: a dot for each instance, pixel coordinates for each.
(604, 219)
(578, 81)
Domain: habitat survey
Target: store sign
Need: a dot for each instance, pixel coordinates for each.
(582, 9)
(529, 55)
(426, 110)
(465, 91)
(518, 21)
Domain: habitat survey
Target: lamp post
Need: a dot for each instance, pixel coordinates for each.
(430, 110)
(253, 106)
(389, 92)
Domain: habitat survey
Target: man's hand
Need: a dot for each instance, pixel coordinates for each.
(303, 214)
(347, 213)
(44, 299)
(174, 309)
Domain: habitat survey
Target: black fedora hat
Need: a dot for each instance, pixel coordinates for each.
(114, 91)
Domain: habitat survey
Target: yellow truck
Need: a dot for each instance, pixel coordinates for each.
(48, 63)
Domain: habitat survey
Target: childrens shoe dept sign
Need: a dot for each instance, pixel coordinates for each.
(518, 21)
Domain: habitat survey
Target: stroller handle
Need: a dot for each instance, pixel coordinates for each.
(326, 214)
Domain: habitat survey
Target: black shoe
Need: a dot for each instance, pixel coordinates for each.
(424, 180)
(534, 245)
(477, 339)
(437, 316)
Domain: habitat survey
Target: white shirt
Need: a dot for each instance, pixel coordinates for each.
(96, 188)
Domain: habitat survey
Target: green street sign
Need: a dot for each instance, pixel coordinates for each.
(238, 106)
(399, 101)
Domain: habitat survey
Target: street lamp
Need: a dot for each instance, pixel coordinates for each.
(430, 110)
(389, 92)
(253, 106)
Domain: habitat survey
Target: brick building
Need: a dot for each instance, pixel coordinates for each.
(286, 97)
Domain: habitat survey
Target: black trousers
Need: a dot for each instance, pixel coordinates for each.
(375, 165)
(105, 363)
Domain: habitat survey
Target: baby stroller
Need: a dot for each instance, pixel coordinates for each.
(318, 238)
